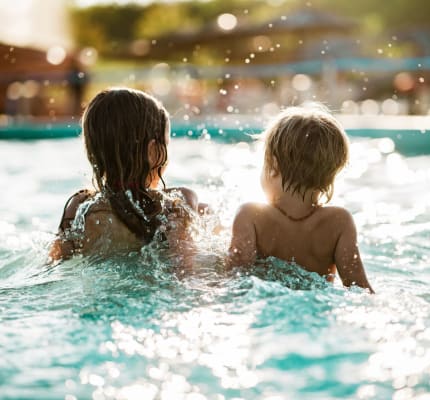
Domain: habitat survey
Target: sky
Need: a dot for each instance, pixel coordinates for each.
(39, 24)
(42, 23)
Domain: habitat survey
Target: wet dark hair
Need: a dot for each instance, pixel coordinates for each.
(118, 126)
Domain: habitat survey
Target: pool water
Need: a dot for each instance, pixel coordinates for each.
(131, 328)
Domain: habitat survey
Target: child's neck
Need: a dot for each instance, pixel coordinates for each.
(296, 205)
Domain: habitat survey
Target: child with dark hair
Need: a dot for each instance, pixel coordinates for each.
(305, 148)
(126, 133)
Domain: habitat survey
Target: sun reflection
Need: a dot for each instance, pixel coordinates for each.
(137, 392)
(397, 169)
(394, 328)
(213, 339)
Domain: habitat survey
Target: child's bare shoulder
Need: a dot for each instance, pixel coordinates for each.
(189, 196)
(336, 211)
(252, 211)
(336, 216)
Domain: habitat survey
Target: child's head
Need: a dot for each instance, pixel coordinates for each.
(126, 135)
(307, 147)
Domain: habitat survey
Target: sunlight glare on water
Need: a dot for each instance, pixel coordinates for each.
(130, 328)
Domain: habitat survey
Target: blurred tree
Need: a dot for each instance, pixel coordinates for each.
(111, 28)
(381, 15)
(158, 19)
(106, 27)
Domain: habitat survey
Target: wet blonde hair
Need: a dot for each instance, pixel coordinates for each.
(308, 146)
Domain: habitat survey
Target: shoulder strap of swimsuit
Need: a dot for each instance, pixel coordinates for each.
(71, 206)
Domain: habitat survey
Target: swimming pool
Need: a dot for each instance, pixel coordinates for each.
(410, 135)
(129, 329)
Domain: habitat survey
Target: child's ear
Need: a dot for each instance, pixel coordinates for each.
(273, 173)
(274, 170)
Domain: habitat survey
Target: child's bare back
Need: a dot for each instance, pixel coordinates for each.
(324, 241)
(90, 226)
(127, 136)
(305, 149)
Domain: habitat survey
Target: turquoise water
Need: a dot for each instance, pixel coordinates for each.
(130, 328)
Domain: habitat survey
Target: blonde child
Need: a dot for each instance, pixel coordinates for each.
(127, 134)
(305, 148)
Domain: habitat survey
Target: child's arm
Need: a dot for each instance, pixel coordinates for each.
(347, 255)
(243, 245)
(191, 199)
(63, 247)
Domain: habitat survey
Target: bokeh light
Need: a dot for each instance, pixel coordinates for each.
(15, 90)
(56, 55)
(88, 56)
(370, 107)
(227, 21)
(30, 89)
(301, 82)
(350, 107)
(390, 107)
(404, 81)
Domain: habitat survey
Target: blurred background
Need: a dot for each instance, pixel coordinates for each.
(204, 58)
